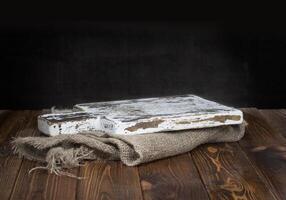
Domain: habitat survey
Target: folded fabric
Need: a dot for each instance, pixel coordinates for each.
(67, 151)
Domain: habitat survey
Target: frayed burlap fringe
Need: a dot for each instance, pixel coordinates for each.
(67, 151)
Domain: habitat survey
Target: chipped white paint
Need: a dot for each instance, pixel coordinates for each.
(68, 123)
(140, 116)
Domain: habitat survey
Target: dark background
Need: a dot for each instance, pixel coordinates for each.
(63, 61)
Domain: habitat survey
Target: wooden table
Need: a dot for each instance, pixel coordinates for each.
(253, 168)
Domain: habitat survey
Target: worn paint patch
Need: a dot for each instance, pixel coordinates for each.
(221, 119)
(64, 117)
(133, 110)
(144, 125)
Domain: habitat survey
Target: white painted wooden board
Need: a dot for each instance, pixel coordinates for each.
(139, 116)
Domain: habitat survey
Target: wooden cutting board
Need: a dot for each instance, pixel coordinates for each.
(139, 116)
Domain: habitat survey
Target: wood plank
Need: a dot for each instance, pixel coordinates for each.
(62, 187)
(40, 184)
(10, 164)
(261, 143)
(257, 122)
(173, 178)
(29, 186)
(4, 115)
(138, 116)
(21, 187)
(109, 180)
(228, 174)
(10, 124)
(276, 119)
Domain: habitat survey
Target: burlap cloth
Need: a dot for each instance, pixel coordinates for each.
(66, 151)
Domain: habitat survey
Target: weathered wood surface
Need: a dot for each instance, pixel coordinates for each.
(16, 124)
(266, 150)
(9, 165)
(228, 174)
(277, 120)
(173, 178)
(109, 180)
(39, 184)
(140, 116)
(253, 168)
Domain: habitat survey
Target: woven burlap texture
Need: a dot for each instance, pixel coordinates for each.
(67, 151)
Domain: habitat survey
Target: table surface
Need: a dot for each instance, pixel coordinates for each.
(253, 168)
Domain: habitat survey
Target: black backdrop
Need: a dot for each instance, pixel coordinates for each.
(64, 62)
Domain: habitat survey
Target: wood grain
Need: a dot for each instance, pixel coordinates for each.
(62, 187)
(109, 180)
(4, 131)
(10, 164)
(30, 186)
(228, 174)
(25, 183)
(173, 178)
(4, 115)
(11, 123)
(276, 119)
(260, 143)
(40, 184)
